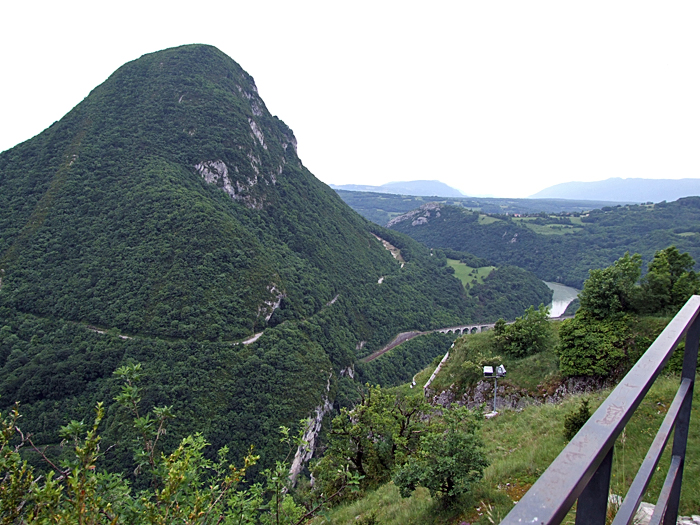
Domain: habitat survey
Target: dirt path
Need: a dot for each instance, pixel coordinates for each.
(103, 332)
(252, 339)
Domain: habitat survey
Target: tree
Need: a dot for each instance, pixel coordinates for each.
(590, 346)
(187, 486)
(611, 290)
(450, 458)
(669, 282)
(370, 439)
(528, 335)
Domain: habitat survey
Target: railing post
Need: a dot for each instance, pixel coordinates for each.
(680, 436)
(593, 501)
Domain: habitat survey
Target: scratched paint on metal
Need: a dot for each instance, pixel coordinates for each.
(612, 415)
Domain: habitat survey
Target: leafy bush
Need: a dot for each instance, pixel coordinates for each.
(600, 338)
(528, 335)
(381, 431)
(575, 420)
(186, 486)
(610, 290)
(669, 283)
(589, 346)
(450, 458)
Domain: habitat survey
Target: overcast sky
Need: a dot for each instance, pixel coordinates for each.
(491, 97)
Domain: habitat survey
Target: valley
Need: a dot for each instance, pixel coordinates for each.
(167, 260)
(170, 210)
(560, 247)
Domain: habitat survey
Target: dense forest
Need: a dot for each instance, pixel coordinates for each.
(386, 435)
(561, 248)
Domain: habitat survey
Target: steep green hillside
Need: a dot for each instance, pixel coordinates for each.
(170, 207)
(559, 248)
(116, 215)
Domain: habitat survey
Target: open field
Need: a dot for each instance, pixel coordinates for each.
(550, 229)
(486, 219)
(469, 275)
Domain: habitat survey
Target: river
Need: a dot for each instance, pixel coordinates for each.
(563, 295)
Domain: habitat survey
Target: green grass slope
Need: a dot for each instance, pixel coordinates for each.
(521, 444)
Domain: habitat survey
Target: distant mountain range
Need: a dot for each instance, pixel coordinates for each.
(421, 188)
(623, 190)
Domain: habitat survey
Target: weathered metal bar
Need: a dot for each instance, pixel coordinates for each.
(628, 509)
(593, 501)
(551, 497)
(680, 435)
(661, 508)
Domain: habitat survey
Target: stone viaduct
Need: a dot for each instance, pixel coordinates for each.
(466, 329)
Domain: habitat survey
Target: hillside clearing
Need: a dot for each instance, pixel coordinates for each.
(468, 274)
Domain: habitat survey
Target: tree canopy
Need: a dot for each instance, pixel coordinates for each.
(598, 340)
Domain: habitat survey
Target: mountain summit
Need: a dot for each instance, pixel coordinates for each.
(167, 219)
(169, 202)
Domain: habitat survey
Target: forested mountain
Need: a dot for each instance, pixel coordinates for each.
(165, 220)
(623, 190)
(383, 207)
(563, 247)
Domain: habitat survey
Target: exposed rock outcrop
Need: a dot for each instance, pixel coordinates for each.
(269, 307)
(305, 451)
(419, 216)
(216, 172)
(516, 398)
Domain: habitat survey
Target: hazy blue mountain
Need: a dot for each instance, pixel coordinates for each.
(423, 188)
(623, 190)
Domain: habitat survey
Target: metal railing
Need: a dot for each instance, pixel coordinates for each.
(582, 470)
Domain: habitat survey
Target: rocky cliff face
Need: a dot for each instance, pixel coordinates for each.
(418, 216)
(514, 398)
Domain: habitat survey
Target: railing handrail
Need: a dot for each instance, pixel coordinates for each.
(582, 469)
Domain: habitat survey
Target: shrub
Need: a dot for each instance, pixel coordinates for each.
(589, 346)
(528, 335)
(450, 459)
(575, 420)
